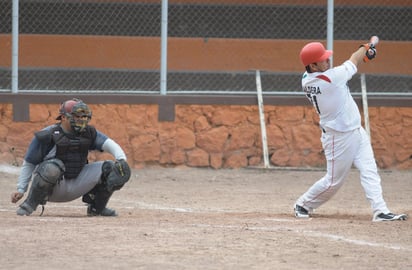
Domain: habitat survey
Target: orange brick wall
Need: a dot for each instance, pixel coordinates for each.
(215, 136)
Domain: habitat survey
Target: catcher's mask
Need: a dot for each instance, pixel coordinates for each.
(77, 112)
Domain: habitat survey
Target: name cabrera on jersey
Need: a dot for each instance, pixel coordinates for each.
(330, 95)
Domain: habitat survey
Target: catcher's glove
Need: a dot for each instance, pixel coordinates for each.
(116, 174)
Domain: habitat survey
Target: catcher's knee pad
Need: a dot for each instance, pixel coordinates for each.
(115, 174)
(50, 171)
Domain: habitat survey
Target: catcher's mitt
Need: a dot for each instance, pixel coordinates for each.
(116, 174)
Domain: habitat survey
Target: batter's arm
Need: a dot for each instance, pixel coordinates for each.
(357, 57)
(366, 52)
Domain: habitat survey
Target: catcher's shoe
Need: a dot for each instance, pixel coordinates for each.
(106, 212)
(24, 210)
(379, 216)
(301, 212)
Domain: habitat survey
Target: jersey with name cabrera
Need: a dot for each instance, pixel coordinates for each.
(330, 95)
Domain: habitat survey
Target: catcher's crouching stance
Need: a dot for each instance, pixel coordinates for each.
(56, 161)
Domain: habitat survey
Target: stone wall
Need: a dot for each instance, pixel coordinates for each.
(215, 136)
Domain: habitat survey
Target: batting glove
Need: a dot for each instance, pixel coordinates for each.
(370, 52)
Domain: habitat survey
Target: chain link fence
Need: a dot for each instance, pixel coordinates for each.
(213, 46)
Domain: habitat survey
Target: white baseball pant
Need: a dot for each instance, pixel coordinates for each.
(342, 150)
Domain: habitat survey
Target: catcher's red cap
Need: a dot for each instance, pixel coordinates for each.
(314, 52)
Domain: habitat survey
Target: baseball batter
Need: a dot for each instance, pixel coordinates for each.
(344, 141)
(56, 162)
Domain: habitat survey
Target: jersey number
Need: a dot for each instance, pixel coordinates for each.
(314, 101)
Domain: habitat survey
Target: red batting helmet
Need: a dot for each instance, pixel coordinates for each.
(314, 52)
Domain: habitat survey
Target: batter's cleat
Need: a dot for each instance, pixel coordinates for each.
(379, 216)
(106, 212)
(24, 210)
(301, 212)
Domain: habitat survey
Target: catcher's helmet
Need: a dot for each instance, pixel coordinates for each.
(314, 52)
(74, 107)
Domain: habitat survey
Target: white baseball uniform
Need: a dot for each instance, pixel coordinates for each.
(344, 141)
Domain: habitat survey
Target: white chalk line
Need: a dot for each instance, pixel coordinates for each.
(272, 228)
(355, 241)
(306, 233)
(280, 228)
(10, 169)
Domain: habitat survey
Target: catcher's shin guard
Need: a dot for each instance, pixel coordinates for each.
(37, 195)
(44, 180)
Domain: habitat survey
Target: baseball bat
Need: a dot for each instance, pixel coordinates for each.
(374, 40)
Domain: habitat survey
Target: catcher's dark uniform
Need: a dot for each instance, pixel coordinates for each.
(62, 157)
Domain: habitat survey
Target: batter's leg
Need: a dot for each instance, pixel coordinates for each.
(369, 177)
(340, 149)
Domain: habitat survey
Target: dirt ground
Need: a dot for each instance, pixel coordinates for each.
(185, 218)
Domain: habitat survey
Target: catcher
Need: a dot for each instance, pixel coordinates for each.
(56, 162)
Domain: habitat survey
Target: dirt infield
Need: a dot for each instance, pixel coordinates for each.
(185, 218)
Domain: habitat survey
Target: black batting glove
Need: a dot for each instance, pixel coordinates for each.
(370, 52)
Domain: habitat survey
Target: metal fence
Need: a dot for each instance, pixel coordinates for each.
(212, 47)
